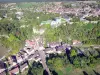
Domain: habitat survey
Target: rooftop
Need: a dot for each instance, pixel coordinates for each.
(14, 71)
(23, 66)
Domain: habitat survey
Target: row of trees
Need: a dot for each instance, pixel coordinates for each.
(93, 18)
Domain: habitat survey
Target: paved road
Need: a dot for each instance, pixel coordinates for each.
(94, 46)
(42, 55)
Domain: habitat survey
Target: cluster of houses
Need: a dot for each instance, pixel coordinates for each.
(78, 12)
(59, 8)
(57, 21)
(18, 63)
(19, 15)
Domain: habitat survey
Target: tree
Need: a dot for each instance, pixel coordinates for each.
(73, 53)
(35, 69)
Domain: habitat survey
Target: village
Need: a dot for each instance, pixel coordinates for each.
(34, 49)
(32, 52)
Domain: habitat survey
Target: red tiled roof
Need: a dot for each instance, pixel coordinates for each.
(14, 71)
(30, 42)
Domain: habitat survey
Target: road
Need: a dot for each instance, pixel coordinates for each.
(94, 46)
(42, 55)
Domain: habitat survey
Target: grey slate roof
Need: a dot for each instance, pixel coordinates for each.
(3, 73)
(23, 66)
(59, 48)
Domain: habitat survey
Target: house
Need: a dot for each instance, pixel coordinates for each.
(29, 50)
(94, 21)
(19, 58)
(31, 57)
(59, 49)
(23, 54)
(67, 18)
(5, 15)
(19, 13)
(69, 47)
(79, 52)
(53, 44)
(45, 22)
(41, 45)
(64, 46)
(12, 60)
(23, 66)
(14, 71)
(56, 22)
(37, 58)
(36, 54)
(29, 43)
(0, 18)
(3, 73)
(18, 17)
(50, 50)
(41, 31)
(76, 42)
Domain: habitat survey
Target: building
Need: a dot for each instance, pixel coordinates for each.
(23, 54)
(14, 71)
(12, 60)
(41, 31)
(56, 22)
(23, 66)
(69, 47)
(37, 58)
(50, 50)
(31, 57)
(76, 42)
(64, 46)
(67, 18)
(19, 15)
(29, 50)
(30, 43)
(59, 49)
(19, 58)
(3, 73)
(45, 22)
(36, 54)
(53, 44)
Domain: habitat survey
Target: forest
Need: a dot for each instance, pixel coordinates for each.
(87, 33)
